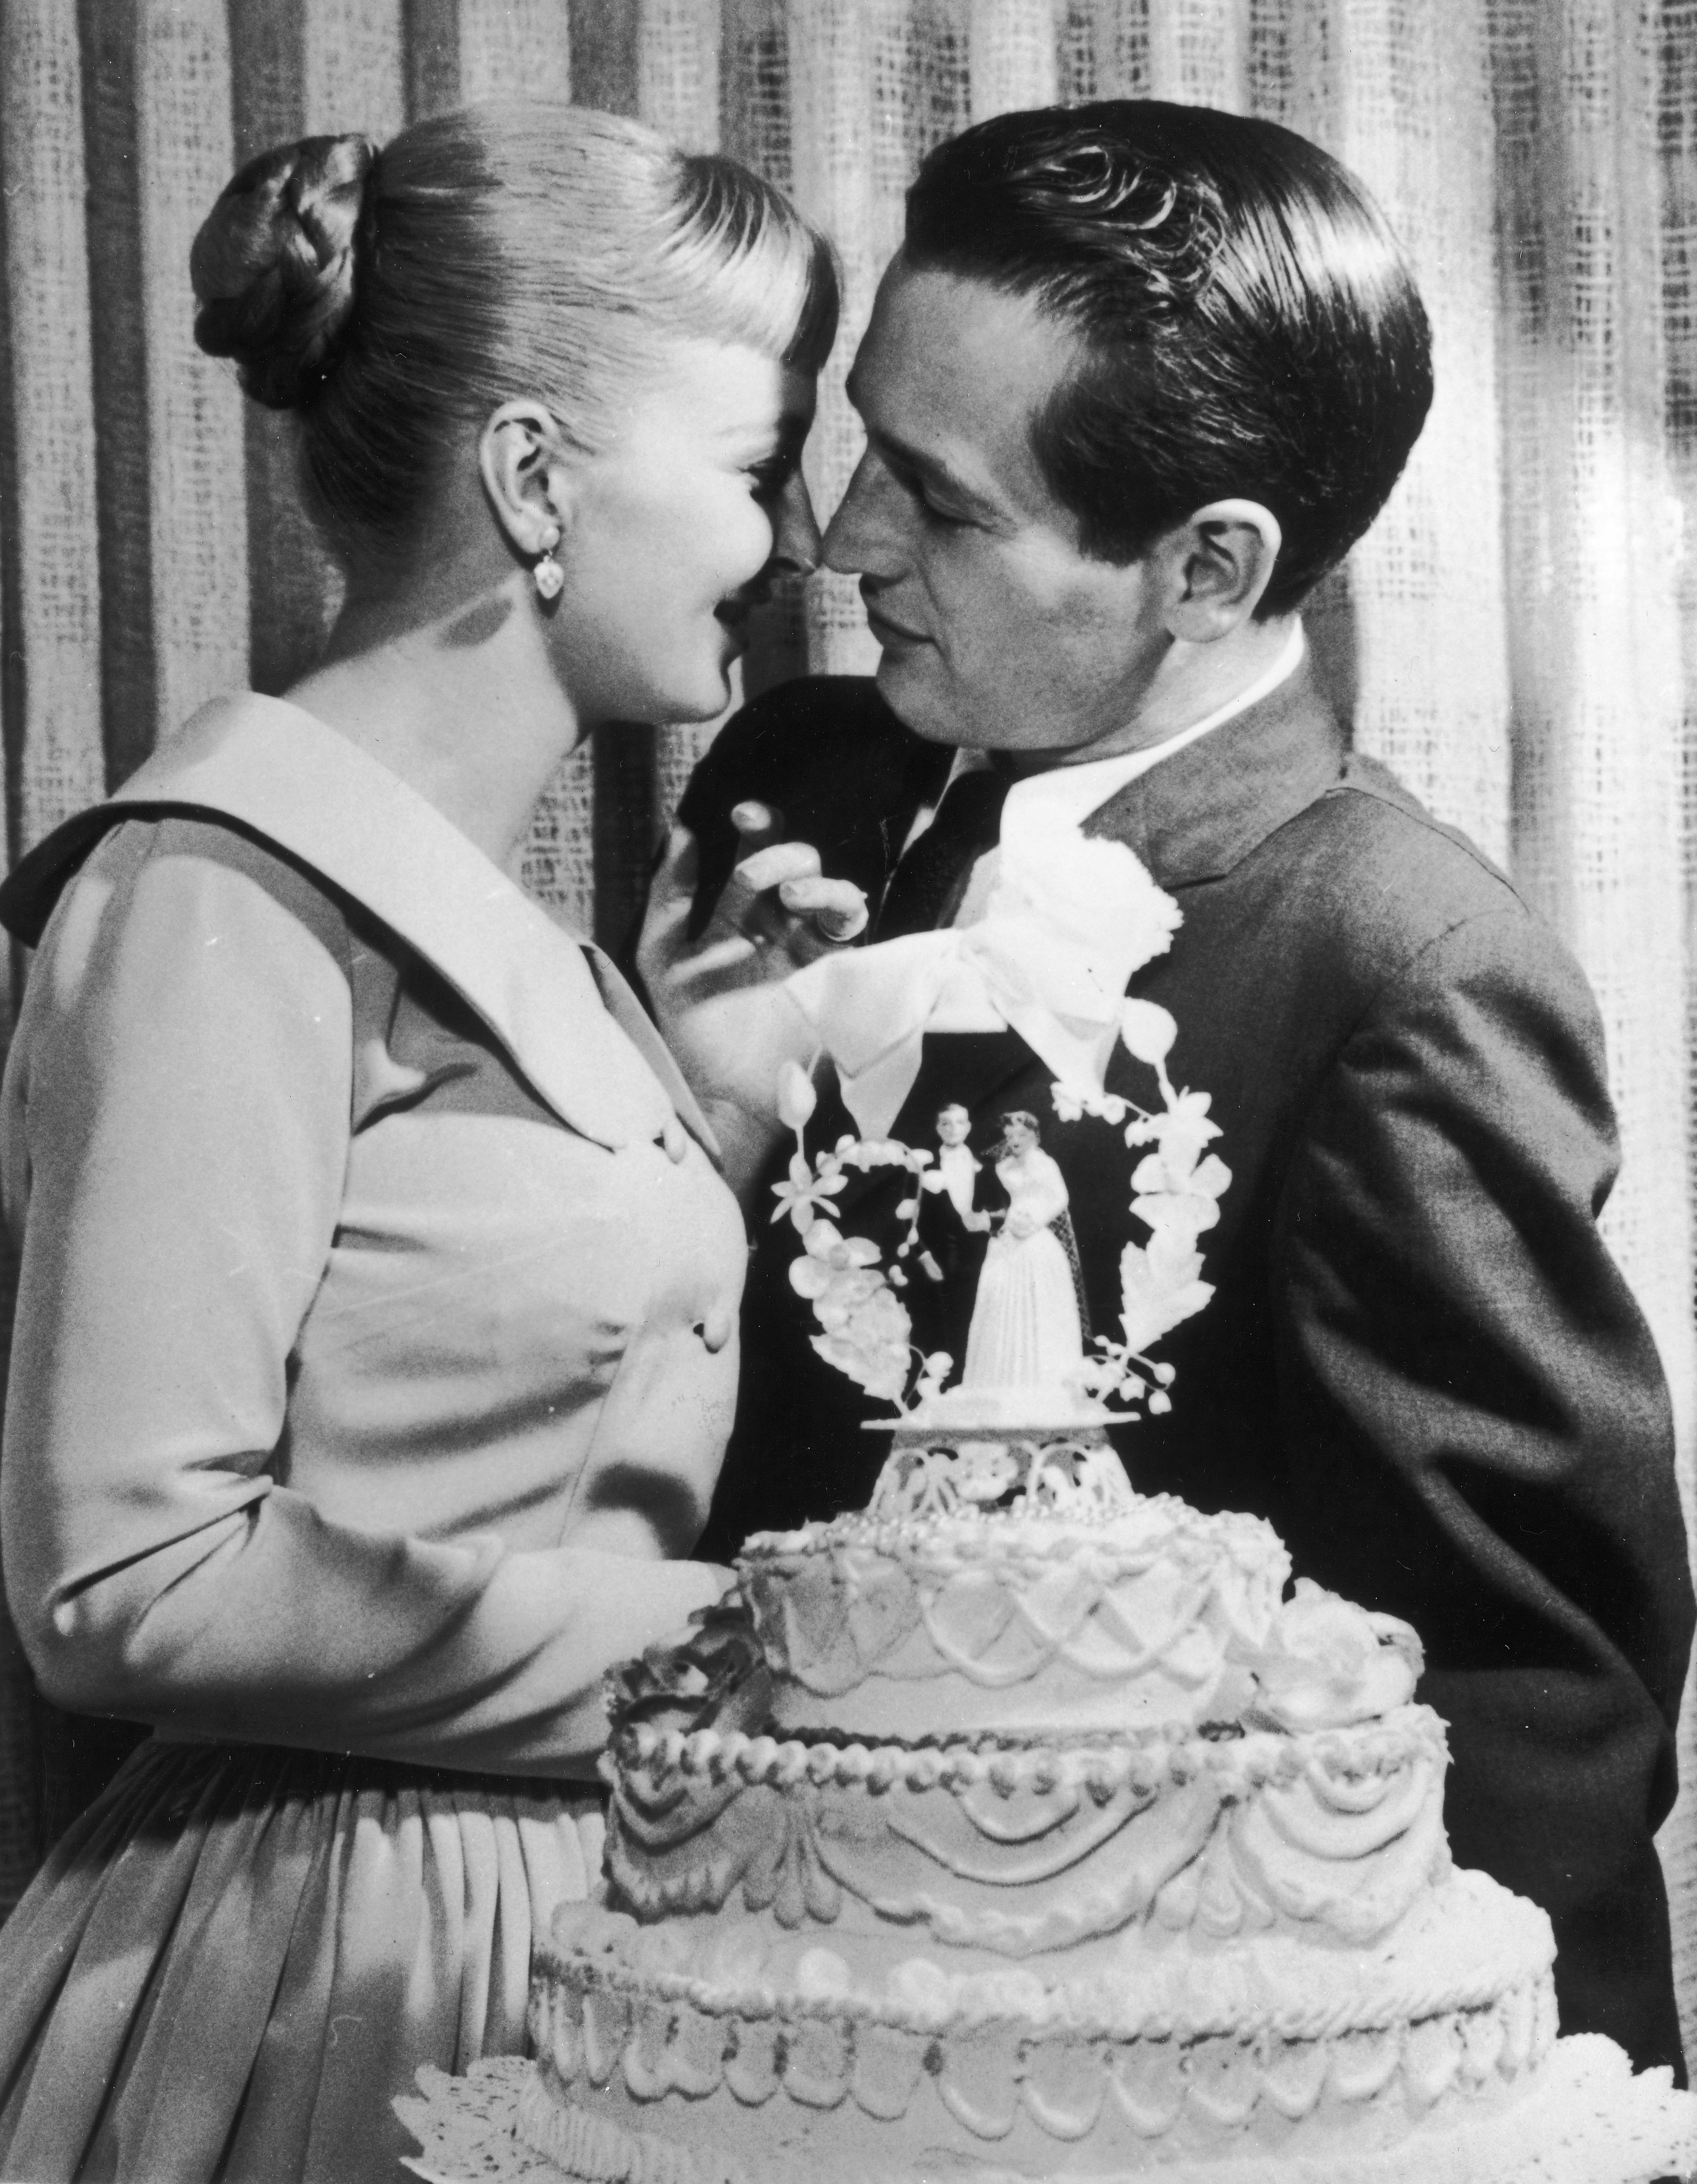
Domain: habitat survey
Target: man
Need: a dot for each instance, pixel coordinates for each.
(952, 1232)
(1138, 377)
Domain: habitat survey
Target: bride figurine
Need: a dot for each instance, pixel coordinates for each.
(1025, 1325)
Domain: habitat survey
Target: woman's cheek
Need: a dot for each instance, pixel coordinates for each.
(750, 538)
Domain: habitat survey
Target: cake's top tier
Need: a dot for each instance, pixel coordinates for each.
(892, 1626)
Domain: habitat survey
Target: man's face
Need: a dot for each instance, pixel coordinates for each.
(952, 1125)
(999, 632)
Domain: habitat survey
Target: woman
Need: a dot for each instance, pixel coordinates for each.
(376, 1341)
(1026, 1329)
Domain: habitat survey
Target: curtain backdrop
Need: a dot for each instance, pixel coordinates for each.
(1509, 638)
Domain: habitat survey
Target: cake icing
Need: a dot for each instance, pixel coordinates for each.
(873, 1625)
(1023, 1830)
(1050, 1839)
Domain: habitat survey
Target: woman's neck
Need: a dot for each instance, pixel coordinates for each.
(458, 697)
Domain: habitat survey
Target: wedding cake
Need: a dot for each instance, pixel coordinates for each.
(1020, 1827)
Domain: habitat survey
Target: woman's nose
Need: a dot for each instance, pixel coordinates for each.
(796, 544)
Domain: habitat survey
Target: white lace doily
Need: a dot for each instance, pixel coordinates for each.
(1591, 2123)
(464, 2127)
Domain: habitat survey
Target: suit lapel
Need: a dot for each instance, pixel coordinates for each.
(1188, 820)
(1197, 815)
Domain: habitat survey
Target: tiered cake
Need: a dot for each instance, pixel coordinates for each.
(1021, 1828)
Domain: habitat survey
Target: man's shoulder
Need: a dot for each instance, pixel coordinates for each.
(1379, 898)
(1386, 874)
(1379, 805)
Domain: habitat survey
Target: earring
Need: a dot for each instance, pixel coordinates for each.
(547, 575)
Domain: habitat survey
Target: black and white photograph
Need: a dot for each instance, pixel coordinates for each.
(847, 1278)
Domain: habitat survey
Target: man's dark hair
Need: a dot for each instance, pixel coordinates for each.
(1247, 323)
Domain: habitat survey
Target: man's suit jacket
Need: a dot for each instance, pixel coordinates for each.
(941, 1309)
(1420, 1363)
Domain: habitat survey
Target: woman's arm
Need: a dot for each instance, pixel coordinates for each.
(176, 1129)
(719, 995)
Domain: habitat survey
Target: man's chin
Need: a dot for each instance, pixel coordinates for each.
(912, 696)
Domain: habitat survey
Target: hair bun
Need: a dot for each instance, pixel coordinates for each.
(274, 265)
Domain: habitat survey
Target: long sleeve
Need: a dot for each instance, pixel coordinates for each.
(177, 1130)
(1476, 1430)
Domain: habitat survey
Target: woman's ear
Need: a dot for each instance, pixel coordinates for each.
(1218, 564)
(524, 476)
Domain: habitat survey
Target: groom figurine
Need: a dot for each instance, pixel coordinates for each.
(953, 1230)
(1138, 377)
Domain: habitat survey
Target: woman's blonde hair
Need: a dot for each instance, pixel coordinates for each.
(394, 298)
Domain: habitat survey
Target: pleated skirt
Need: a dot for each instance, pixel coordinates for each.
(235, 1960)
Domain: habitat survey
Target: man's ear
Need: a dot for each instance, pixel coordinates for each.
(1218, 562)
(524, 476)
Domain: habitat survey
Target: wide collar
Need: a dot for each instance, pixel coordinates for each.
(1200, 812)
(285, 776)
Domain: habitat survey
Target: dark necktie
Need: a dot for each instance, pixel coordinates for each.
(928, 886)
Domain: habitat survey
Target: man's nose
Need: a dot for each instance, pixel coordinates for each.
(796, 542)
(860, 540)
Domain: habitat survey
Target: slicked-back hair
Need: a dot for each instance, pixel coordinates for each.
(1247, 325)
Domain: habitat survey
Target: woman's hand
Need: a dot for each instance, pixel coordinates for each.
(720, 997)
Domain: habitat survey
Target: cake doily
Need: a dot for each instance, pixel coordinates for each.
(464, 2127)
(1592, 2122)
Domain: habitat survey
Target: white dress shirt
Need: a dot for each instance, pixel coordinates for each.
(1075, 791)
(958, 1167)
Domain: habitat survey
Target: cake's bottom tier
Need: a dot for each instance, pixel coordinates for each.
(1581, 2117)
(759, 2087)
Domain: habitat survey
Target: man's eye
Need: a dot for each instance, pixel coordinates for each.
(913, 488)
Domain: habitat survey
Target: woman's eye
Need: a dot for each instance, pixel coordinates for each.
(770, 478)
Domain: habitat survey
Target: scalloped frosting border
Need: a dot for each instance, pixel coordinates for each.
(1101, 1768)
(1505, 1942)
(990, 2077)
(1145, 1828)
(1584, 2120)
(962, 1538)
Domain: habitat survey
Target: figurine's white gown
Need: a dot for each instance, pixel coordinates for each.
(1025, 1329)
(374, 1355)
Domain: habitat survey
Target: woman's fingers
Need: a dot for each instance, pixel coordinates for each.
(837, 908)
(777, 904)
(751, 902)
(757, 825)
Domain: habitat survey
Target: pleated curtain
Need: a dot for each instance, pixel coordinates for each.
(1517, 637)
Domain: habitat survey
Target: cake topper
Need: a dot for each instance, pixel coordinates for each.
(1067, 924)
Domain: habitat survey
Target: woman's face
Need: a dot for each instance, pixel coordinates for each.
(674, 529)
(1018, 1135)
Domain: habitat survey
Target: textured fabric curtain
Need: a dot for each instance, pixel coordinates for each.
(1509, 638)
